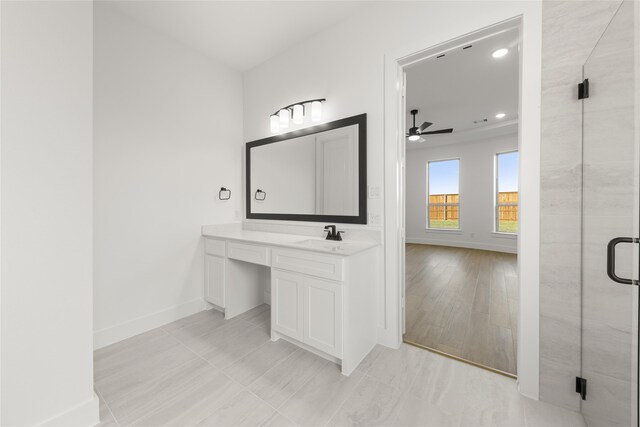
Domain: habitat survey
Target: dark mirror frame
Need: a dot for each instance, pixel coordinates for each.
(361, 218)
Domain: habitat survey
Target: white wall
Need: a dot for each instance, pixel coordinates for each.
(46, 228)
(168, 135)
(346, 64)
(477, 189)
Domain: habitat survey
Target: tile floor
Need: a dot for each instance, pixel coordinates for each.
(206, 371)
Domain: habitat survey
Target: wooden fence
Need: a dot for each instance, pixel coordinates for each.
(508, 213)
(439, 213)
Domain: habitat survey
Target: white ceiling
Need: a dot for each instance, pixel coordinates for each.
(464, 86)
(240, 34)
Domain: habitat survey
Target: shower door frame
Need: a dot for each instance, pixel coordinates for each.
(595, 67)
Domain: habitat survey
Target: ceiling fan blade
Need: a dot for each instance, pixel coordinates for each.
(434, 132)
(424, 126)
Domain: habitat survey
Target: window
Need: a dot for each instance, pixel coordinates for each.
(443, 202)
(507, 192)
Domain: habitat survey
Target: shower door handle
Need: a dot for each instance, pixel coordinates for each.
(611, 260)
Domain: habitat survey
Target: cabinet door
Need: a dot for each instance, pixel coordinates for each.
(286, 303)
(214, 278)
(323, 315)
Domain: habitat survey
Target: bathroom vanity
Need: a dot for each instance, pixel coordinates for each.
(321, 292)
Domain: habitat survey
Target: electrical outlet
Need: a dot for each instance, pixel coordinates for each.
(374, 219)
(472, 235)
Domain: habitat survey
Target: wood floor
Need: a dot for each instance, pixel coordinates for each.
(205, 371)
(463, 302)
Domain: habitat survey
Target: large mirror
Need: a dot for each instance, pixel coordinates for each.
(313, 174)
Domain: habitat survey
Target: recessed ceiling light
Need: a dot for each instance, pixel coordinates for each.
(500, 115)
(500, 53)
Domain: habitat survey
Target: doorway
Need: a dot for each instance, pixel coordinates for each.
(461, 201)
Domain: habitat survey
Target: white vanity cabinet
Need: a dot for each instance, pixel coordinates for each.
(305, 305)
(307, 309)
(214, 279)
(322, 308)
(325, 303)
(287, 296)
(214, 272)
(321, 299)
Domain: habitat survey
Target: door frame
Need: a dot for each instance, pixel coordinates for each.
(529, 182)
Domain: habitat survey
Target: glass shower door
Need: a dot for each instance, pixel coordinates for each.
(610, 226)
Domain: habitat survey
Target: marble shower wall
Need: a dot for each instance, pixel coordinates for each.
(570, 30)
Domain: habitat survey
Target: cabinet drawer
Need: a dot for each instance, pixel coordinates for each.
(310, 263)
(249, 253)
(214, 247)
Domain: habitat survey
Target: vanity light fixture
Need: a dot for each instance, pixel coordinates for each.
(316, 111)
(500, 52)
(295, 112)
(284, 118)
(275, 123)
(298, 114)
(500, 115)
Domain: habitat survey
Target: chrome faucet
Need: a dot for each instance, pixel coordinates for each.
(332, 233)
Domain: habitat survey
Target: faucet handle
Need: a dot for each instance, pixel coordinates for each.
(338, 235)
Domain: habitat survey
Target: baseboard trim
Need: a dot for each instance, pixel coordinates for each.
(386, 338)
(113, 334)
(457, 244)
(85, 414)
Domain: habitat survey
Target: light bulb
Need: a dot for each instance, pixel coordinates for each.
(284, 118)
(500, 115)
(316, 111)
(500, 53)
(298, 114)
(275, 123)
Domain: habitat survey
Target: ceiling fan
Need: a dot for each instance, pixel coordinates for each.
(416, 132)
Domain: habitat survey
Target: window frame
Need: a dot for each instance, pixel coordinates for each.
(496, 195)
(429, 204)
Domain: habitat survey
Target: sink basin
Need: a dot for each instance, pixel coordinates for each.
(323, 244)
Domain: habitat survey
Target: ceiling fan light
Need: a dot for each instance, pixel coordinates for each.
(414, 137)
(298, 114)
(284, 118)
(500, 52)
(275, 123)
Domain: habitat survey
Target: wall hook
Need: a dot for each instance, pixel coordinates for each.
(224, 193)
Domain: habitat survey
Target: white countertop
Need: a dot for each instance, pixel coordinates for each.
(292, 241)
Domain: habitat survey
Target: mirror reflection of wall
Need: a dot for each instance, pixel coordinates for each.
(313, 174)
